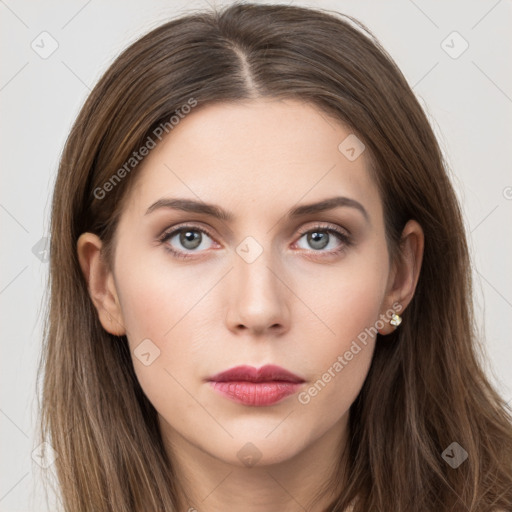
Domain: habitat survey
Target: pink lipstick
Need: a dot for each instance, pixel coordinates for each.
(250, 386)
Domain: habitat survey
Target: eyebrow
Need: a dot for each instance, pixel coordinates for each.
(192, 206)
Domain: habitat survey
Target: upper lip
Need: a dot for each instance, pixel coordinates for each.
(269, 372)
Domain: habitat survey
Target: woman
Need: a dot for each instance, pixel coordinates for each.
(260, 284)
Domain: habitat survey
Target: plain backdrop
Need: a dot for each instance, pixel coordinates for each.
(455, 55)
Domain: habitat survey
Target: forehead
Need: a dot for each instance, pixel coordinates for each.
(256, 154)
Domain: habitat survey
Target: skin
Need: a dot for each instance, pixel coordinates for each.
(295, 305)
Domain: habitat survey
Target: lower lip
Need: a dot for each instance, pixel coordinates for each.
(256, 393)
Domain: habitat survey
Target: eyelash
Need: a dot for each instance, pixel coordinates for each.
(343, 237)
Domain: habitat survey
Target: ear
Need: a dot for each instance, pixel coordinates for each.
(100, 283)
(405, 272)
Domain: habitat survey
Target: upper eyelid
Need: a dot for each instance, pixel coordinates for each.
(326, 226)
(172, 230)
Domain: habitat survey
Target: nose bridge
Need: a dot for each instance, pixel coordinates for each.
(258, 297)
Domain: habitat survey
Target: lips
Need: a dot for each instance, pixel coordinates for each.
(252, 387)
(267, 373)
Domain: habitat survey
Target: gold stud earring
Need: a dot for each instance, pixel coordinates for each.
(396, 320)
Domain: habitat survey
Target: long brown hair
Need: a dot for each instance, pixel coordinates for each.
(425, 389)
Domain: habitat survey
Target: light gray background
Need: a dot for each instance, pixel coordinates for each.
(468, 100)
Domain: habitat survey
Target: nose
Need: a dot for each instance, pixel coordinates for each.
(259, 298)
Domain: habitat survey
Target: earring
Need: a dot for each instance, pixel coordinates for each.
(396, 320)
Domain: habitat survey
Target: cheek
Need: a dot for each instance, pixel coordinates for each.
(340, 361)
(154, 297)
(165, 311)
(349, 307)
(347, 297)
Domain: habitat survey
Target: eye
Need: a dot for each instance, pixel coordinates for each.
(330, 238)
(183, 241)
(185, 238)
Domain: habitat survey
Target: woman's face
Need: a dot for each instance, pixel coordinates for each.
(265, 286)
